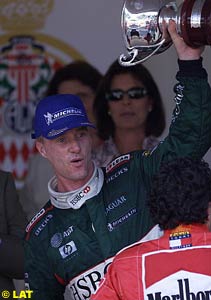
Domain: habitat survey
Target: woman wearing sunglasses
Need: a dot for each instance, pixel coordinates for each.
(129, 112)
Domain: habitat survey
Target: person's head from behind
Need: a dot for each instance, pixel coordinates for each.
(128, 97)
(180, 193)
(61, 132)
(78, 78)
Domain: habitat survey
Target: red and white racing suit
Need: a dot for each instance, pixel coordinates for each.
(176, 266)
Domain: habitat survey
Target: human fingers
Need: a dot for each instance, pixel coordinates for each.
(184, 51)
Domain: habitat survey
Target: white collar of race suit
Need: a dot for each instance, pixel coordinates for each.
(75, 199)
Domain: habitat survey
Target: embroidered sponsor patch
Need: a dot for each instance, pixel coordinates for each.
(67, 249)
(56, 240)
(56, 132)
(122, 219)
(80, 195)
(69, 111)
(34, 219)
(178, 99)
(116, 174)
(180, 240)
(85, 284)
(117, 162)
(114, 204)
(43, 224)
(68, 231)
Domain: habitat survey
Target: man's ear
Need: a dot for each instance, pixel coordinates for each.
(41, 148)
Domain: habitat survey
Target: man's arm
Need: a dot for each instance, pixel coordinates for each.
(109, 287)
(190, 129)
(39, 276)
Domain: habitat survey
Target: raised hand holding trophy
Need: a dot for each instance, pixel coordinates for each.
(142, 20)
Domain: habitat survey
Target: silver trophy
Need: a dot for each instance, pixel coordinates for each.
(141, 23)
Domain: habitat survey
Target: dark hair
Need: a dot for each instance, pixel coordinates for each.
(77, 70)
(156, 118)
(180, 193)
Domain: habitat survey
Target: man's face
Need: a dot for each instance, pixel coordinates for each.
(70, 156)
(85, 93)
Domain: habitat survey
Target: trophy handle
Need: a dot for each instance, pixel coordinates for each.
(135, 56)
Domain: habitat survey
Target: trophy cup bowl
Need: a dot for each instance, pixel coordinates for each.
(141, 22)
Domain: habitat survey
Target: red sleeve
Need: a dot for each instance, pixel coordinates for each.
(109, 288)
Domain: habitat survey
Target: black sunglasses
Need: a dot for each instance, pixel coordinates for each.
(133, 93)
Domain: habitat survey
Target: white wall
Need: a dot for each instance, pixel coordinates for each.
(93, 28)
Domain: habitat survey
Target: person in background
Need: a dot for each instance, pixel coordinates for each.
(178, 264)
(95, 212)
(79, 78)
(129, 112)
(82, 79)
(12, 227)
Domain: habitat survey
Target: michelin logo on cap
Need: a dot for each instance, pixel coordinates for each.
(70, 111)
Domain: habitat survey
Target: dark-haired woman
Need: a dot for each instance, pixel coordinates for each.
(129, 112)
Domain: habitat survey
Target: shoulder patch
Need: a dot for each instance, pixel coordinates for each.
(117, 162)
(34, 219)
(39, 216)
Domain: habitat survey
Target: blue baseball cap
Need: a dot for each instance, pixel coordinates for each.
(56, 114)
